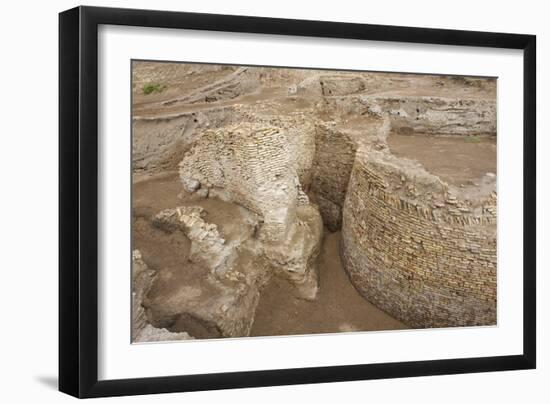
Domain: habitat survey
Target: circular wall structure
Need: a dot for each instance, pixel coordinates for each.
(415, 249)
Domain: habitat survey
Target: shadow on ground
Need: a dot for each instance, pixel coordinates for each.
(48, 381)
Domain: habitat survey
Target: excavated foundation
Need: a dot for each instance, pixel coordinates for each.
(238, 170)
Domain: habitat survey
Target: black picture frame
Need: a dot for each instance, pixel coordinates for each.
(78, 201)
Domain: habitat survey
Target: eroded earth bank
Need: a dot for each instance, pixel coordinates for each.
(286, 201)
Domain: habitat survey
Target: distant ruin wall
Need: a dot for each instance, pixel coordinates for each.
(426, 262)
(159, 144)
(427, 115)
(331, 85)
(424, 115)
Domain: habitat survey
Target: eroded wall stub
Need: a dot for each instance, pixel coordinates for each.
(142, 330)
(256, 167)
(261, 168)
(216, 292)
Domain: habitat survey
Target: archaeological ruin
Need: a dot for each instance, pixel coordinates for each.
(271, 201)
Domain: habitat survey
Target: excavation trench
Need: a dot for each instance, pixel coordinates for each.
(337, 308)
(404, 182)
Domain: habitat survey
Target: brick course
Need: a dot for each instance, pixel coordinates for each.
(429, 264)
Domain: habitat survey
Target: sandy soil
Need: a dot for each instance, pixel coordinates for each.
(456, 160)
(177, 78)
(338, 307)
(264, 94)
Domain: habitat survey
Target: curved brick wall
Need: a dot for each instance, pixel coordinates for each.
(415, 250)
(334, 155)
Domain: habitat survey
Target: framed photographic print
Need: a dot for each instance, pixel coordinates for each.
(250, 201)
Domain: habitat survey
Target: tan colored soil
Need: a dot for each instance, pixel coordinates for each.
(456, 160)
(338, 307)
(177, 79)
(460, 161)
(264, 94)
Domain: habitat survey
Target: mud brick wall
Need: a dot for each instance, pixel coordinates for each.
(423, 115)
(254, 166)
(328, 85)
(301, 146)
(437, 115)
(341, 84)
(426, 265)
(159, 144)
(334, 156)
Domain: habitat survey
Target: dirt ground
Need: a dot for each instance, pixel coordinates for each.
(192, 98)
(456, 160)
(338, 307)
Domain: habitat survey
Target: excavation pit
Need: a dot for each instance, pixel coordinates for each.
(285, 201)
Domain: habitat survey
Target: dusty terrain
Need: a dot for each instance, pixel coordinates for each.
(458, 161)
(244, 222)
(338, 307)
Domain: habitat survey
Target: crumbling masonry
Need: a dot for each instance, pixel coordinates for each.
(418, 247)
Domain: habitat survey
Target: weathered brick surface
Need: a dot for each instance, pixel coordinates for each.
(334, 156)
(423, 114)
(258, 167)
(419, 252)
(341, 85)
(420, 249)
(261, 168)
(336, 144)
